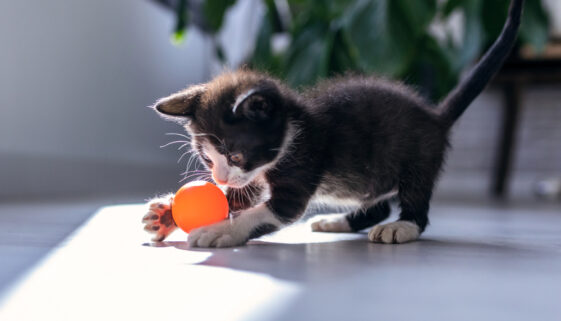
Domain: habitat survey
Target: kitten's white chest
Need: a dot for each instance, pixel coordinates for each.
(345, 192)
(333, 191)
(335, 201)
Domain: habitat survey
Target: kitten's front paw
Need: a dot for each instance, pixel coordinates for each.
(336, 223)
(158, 220)
(222, 234)
(395, 232)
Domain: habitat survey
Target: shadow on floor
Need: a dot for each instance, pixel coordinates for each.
(303, 262)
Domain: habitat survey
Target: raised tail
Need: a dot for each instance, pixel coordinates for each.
(461, 97)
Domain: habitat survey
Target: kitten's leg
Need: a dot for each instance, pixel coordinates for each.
(375, 214)
(354, 221)
(412, 220)
(158, 219)
(289, 197)
(250, 223)
(335, 223)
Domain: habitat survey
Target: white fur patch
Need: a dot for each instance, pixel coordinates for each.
(233, 232)
(241, 99)
(221, 171)
(349, 203)
(385, 196)
(395, 232)
(344, 203)
(336, 223)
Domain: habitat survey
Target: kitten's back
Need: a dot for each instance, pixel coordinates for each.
(370, 127)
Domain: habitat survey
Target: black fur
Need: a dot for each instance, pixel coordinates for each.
(261, 230)
(361, 219)
(351, 138)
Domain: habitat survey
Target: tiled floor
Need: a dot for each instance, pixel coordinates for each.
(474, 262)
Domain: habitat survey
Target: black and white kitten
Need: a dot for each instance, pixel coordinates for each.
(353, 140)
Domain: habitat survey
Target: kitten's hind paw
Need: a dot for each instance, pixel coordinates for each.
(395, 232)
(158, 219)
(336, 223)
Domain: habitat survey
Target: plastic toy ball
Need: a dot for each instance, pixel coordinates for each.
(197, 204)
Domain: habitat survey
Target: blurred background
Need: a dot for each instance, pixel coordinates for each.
(76, 78)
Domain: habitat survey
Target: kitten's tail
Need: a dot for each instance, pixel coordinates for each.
(460, 97)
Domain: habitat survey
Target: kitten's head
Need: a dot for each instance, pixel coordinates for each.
(238, 124)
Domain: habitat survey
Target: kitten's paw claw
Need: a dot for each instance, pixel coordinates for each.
(336, 223)
(158, 219)
(218, 235)
(395, 232)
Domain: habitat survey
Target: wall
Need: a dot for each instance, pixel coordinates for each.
(474, 140)
(75, 80)
(76, 76)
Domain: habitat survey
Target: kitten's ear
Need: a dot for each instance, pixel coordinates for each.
(181, 104)
(254, 107)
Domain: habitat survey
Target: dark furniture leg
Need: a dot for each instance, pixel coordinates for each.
(506, 143)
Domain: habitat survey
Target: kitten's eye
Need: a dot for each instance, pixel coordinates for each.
(236, 158)
(206, 159)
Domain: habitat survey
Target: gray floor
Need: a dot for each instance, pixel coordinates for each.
(29, 231)
(485, 262)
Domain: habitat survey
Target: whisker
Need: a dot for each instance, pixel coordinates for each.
(205, 177)
(192, 158)
(178, 134)
(212, 135)
(174, 142)
(198, 171)
(238, 196)
(186, 143)
(188, 172)
(195, 177)
(181, 157)
(253, 191)
(245, 192)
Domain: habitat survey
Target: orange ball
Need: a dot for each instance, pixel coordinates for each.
(197, 204)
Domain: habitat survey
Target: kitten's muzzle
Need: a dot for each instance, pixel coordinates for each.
(218, 180)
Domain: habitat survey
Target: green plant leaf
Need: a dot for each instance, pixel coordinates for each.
(493, 14)
(182, 19)
(432, 70)
(263, 57)
(474, 34)
(385, 32)
(388, 37)
(451, 5)
(214, 11)
(369, 26)
(414, 15)
(178, 37)
(534, 28)
(344, 57)
(308, 57)
(262, 52)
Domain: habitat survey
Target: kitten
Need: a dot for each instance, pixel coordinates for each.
(351, 140)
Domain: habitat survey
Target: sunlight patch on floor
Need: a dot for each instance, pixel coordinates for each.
(105, 270)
